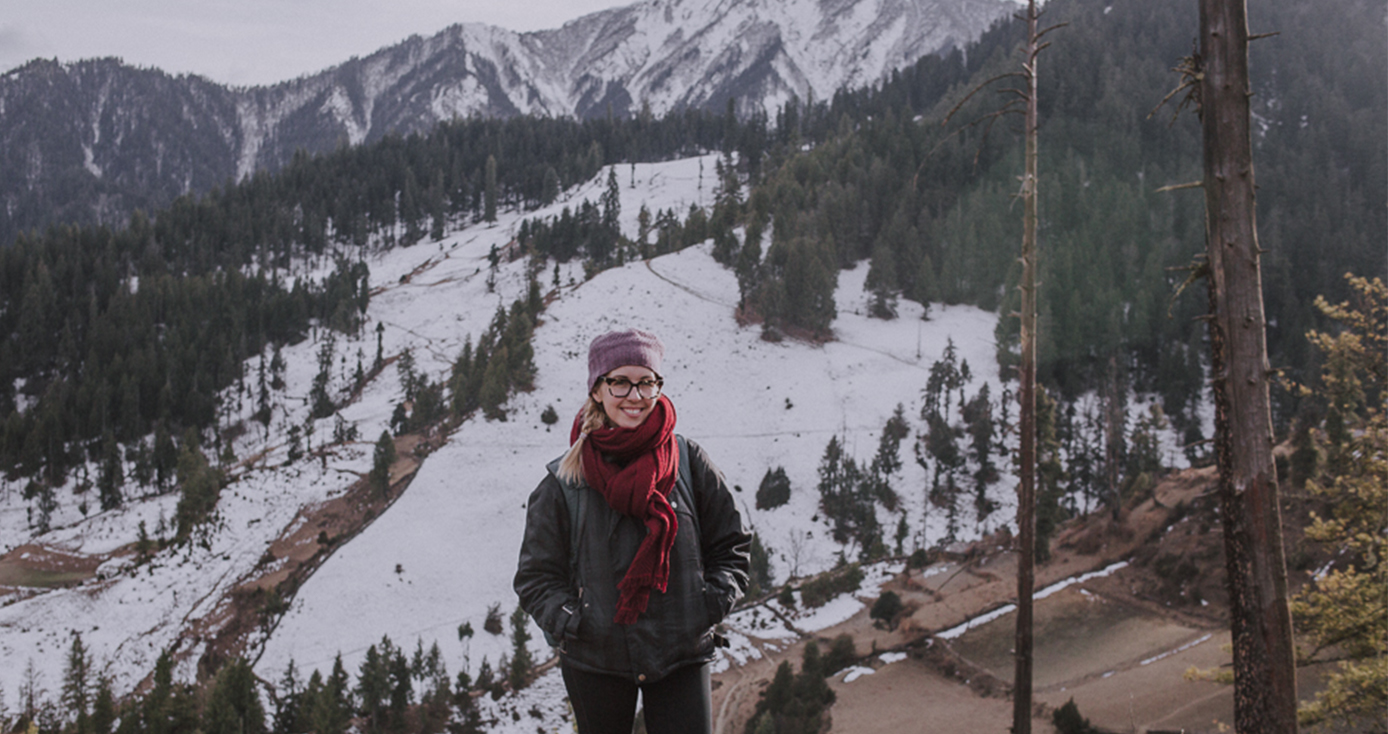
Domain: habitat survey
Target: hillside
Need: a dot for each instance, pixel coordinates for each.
(454, 532)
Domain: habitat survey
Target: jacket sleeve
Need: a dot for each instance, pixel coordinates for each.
(543, 579)
(725, 542)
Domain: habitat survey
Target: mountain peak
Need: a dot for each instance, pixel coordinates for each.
(146, 136)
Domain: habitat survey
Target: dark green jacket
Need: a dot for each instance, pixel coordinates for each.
(574, 603)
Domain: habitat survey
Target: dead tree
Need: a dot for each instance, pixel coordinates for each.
(1216, 80)
(1026, 391)
(1023, 101)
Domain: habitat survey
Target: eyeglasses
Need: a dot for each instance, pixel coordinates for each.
(620, 387)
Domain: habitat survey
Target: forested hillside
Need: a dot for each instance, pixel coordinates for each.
(936, 213)
(108, 337)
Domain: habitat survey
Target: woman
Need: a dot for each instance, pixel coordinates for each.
(634, 549)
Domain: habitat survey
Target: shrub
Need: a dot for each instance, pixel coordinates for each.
(774, 490)
(493, 623)
(816, 592)
(842, 653)
(1067, 720)
(886, 608)
(786, 597)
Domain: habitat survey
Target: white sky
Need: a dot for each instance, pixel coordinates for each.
(250, 42)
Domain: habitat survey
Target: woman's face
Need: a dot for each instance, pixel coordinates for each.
(632, 410)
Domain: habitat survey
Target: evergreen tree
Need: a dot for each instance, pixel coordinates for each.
(373, 688)
(490, 192)
(200, 484)
(522, 664)
(290, 702)
(234, 707)
(321, 402)
(549, 188)
(381, 460)
(774, 489)
(76, 693)
(112, 475)
(103, 717)
(495, 383)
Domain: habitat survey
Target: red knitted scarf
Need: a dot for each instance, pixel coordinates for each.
(637, 483)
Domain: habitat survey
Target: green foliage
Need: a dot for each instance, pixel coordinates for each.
(1342, 613)
(234, 705)
(502, 360)
(1049, 475)
(1067, 720)
(200, 485)
(522, 663)
(492, 624)
(774, 489)
(786, 597)
(815, 592)
(381, 460)
(842, 653)
(795, 703)
(885, 609)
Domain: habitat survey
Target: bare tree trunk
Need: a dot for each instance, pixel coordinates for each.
(1026, 490)
(1264, 665)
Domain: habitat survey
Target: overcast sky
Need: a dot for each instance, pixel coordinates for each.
(249, 42)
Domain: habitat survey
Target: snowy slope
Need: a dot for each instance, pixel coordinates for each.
(455, 532)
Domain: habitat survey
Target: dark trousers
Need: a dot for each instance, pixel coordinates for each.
(680, 703)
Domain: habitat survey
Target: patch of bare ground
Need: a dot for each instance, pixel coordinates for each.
(255, 603)
(1118, 644)
(33, 568)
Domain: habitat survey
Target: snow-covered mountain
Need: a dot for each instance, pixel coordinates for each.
(446, 550)
(125, 137)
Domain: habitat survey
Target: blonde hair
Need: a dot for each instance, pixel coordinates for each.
(571, 466)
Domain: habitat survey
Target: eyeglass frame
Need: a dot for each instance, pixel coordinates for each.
(658, 383)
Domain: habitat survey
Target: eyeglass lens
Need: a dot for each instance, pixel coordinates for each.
(620, 388)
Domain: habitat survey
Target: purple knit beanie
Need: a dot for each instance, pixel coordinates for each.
(620, 348)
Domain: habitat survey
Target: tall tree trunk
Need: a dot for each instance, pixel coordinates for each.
(1026, 490)
(1264, 667)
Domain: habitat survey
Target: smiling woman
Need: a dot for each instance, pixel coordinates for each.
(256, 42)
(633, 551)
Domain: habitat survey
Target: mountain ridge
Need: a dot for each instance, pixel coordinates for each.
(91, 141)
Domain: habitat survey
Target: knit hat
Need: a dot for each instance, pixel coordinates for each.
(620, 348)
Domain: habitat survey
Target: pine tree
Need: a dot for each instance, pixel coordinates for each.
(381, 460)
(549, 188)
(881, 283)
(103, 717)
(522, 663)
(200, 484)
(495, 384)
(112, 475)
(774, 489)
(290, 701)
(490, 192)
(612, 203)
(76, 691)
(373, 688)
(234, 705)
(319, 399)
(401, 688)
